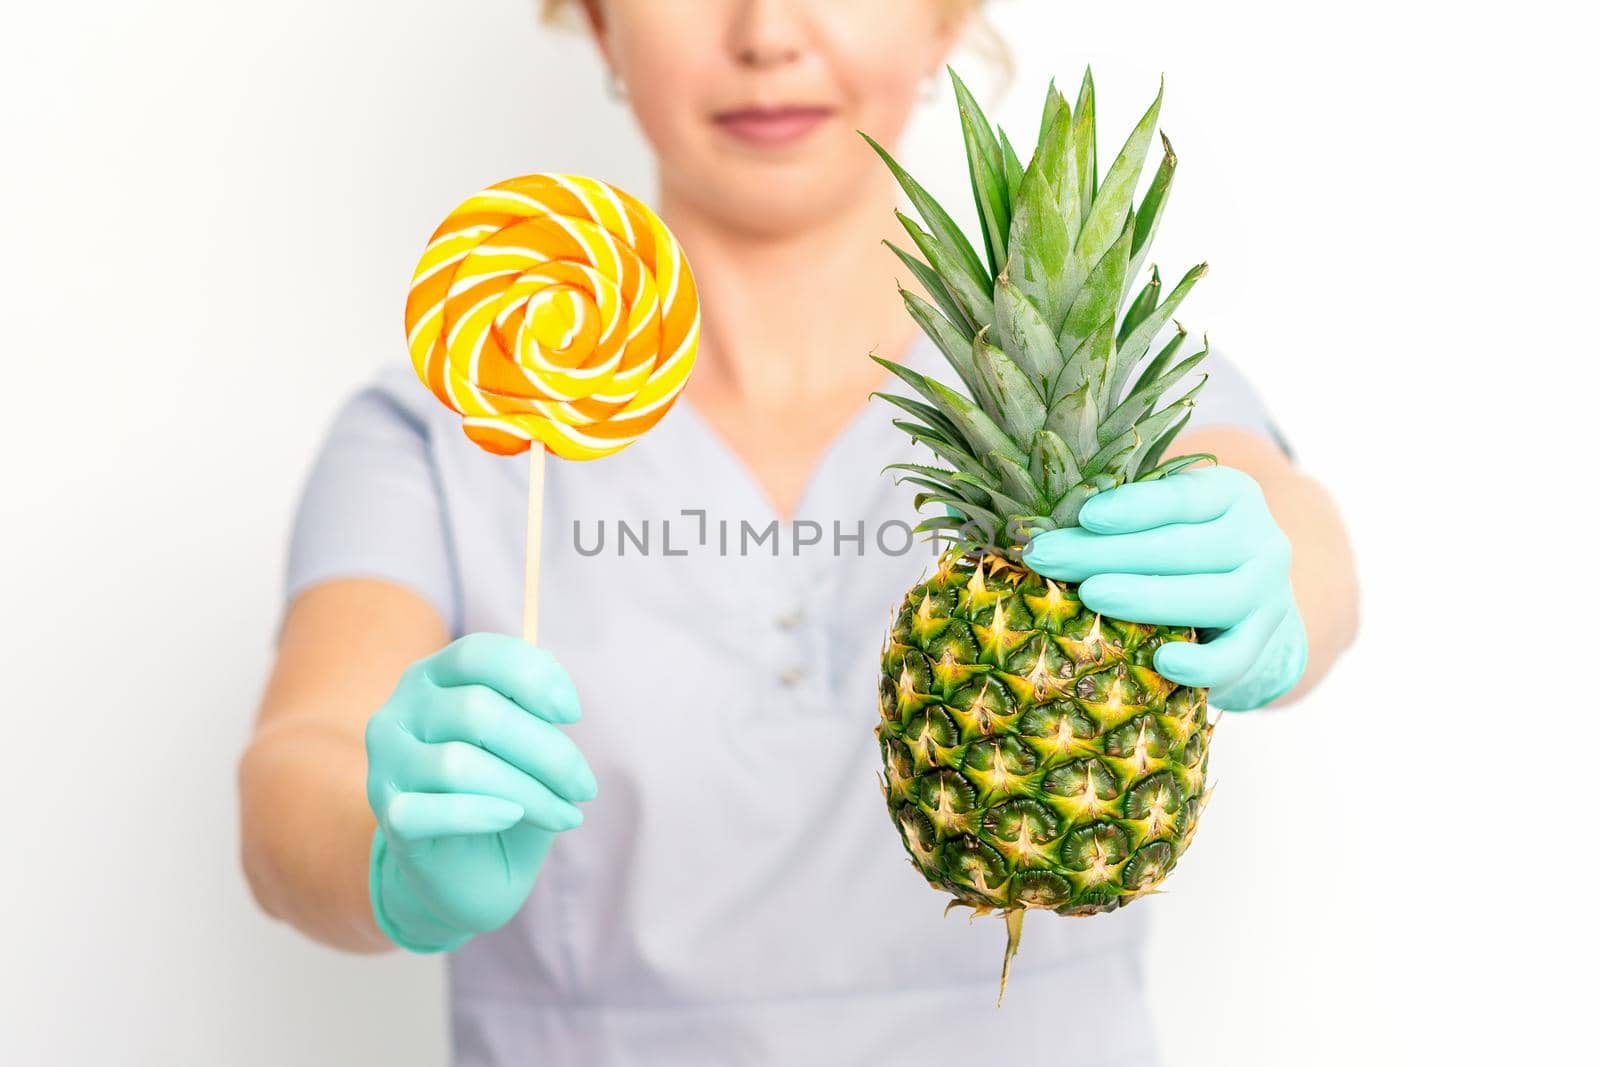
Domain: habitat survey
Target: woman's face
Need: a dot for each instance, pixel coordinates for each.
(752, 105)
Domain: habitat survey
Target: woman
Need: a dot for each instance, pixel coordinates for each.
(735, 892)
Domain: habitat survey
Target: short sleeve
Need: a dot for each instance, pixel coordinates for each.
(372, 506)
(1228, 399)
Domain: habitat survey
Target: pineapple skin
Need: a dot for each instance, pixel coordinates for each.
(1033, 757)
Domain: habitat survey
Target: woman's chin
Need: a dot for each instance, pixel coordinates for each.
(768, 194)
(772, 209)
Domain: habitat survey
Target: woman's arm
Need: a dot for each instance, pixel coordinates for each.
(306, 825)
(1322, 570)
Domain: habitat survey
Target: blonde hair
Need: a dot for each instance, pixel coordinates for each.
(982, 38)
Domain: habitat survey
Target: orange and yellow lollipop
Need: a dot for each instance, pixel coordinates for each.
(556, 309)
(553, 313)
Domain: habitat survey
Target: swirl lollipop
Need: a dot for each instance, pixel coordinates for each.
(556, 313)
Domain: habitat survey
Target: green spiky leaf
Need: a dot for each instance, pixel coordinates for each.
(1132, 348)
(972, 296)
(1054, 105)
(1176, 464)
(1143, 304)
(1114, 199)
(924, 471)
(1100, 297)
(1018, 483)
(1065, 512)
(976, 427)
(1014, 400)
(1052, 465)
(986, 170)
(935, 287)
(1151, 207)
(972, 425)
(1082, 167)
(976, 512)
(1090, 362)
(1021, 330)
(1156, 427)
(938, 220)
(948, 451)
(944, 489)
(930, 416)
(1074, 418)
(1142, 401)
(955, 346)
(1113, 456)
(1158, 365)
(1013, 167)
(1039, 248)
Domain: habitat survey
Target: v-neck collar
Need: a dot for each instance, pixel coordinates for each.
(868, 421)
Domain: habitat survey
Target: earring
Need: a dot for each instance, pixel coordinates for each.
(614, 87)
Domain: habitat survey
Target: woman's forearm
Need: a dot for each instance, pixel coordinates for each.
(1323, 568)
(306, 830)
(1322, 572)
(305, 827)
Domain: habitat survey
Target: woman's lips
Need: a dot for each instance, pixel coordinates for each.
(772, 126)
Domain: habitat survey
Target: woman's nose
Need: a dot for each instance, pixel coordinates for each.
(766, 33)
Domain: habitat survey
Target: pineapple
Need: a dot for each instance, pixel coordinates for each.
(1033, 757)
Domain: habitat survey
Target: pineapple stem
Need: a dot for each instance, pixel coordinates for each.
(1013, 939)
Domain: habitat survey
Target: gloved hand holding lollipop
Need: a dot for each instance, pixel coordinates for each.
(554, 313)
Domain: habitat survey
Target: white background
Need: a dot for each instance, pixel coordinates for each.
(210, 214)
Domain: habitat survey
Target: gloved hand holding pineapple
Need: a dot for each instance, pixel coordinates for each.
(1197, 549)
(1043, 697)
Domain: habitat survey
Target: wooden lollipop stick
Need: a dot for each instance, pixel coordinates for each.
(530, 575)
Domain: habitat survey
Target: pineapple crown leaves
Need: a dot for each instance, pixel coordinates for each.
(1052, 412)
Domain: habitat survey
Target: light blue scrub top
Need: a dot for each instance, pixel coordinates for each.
(737, 893)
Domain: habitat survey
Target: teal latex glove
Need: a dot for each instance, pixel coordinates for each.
(1200, 549)
(470, 778)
